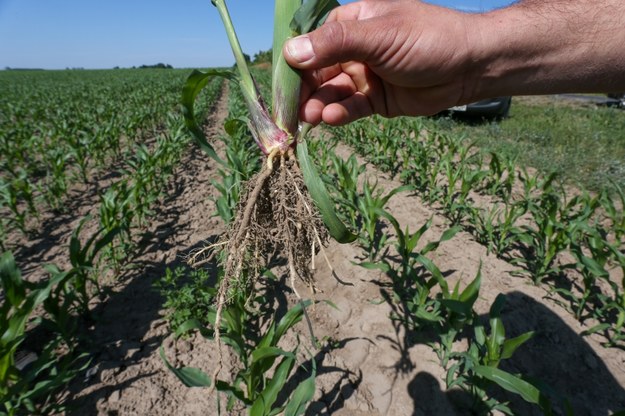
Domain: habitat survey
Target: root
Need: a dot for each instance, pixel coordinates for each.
(275, 219)
(207, 254)
(319, 241)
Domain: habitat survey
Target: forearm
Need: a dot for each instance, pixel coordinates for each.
(549, 46)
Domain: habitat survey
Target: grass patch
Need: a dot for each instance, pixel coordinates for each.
(584, 143)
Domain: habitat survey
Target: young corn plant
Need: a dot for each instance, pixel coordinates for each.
(285, 206)
(369, 205)
(476, 370)
(254, 385)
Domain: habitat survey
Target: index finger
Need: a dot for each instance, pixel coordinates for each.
(349, 11)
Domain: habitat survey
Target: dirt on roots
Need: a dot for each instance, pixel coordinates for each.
(276, 219)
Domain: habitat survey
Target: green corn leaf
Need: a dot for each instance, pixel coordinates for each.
(190, 377)
(269, 352)
(269, 339)
(510, 382)
(456, 306)
(12, 283)
(319, 194)
(311, 15)
(594, 267)
(447, 235)
(511, 345)
(596, 328)
(104, 241)
(384, 267)
(75, 255)
(495, 340)
(436, 273)
(395, 191)
(233, 125)
(471, 292)
(302, 395)
(428, 316)
(194, 84)
(293, 316)
(497, 306)
(480, 334)
(262, 406)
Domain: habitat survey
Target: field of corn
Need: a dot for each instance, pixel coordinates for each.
(475, 285)
(143, 273)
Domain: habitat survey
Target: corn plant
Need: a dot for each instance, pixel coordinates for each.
(116, 213)
(414, 276)
(615, 212)
(286, 208)
(344, 183)
(84, 260)
(496, 227)
(546, 239)
(240, 166)
(56, 183)
(476, 369)
(258, 354)
(371, 204)
(501, 176)
(29, 389)
(18, 195)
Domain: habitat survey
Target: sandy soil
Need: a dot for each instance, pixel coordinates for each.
(372, 367)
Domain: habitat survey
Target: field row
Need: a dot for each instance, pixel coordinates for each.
(45, 322)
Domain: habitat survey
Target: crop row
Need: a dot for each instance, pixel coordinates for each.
(57, 308)
(61, 128)
(567, 240)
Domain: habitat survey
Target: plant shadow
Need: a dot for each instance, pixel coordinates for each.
(559, 359)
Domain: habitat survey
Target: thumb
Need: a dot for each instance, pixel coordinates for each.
(332, 43)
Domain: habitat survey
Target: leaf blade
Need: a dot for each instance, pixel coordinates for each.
(320, 195)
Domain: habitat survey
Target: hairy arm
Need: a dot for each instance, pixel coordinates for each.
(549, 46)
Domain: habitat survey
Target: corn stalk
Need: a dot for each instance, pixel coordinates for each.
(281, 132)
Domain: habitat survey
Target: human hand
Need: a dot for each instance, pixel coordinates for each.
(393, 57)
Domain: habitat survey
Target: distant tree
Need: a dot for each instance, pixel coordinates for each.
(263, 57)
(247, 58)
(159, 65)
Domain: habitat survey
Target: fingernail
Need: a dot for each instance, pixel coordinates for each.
(300, 49)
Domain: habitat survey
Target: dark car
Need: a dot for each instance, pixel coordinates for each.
(619, 97)
(491, 108)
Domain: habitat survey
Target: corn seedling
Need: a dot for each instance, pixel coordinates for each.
(414, 276)
(29, 388)
(371, 204)
(285, 206)
(476, 369)
(501, 176)
(615, 211)
(496, 227)
(258, 354)
(345, 184)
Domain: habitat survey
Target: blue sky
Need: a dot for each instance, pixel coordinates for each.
(56, 34)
